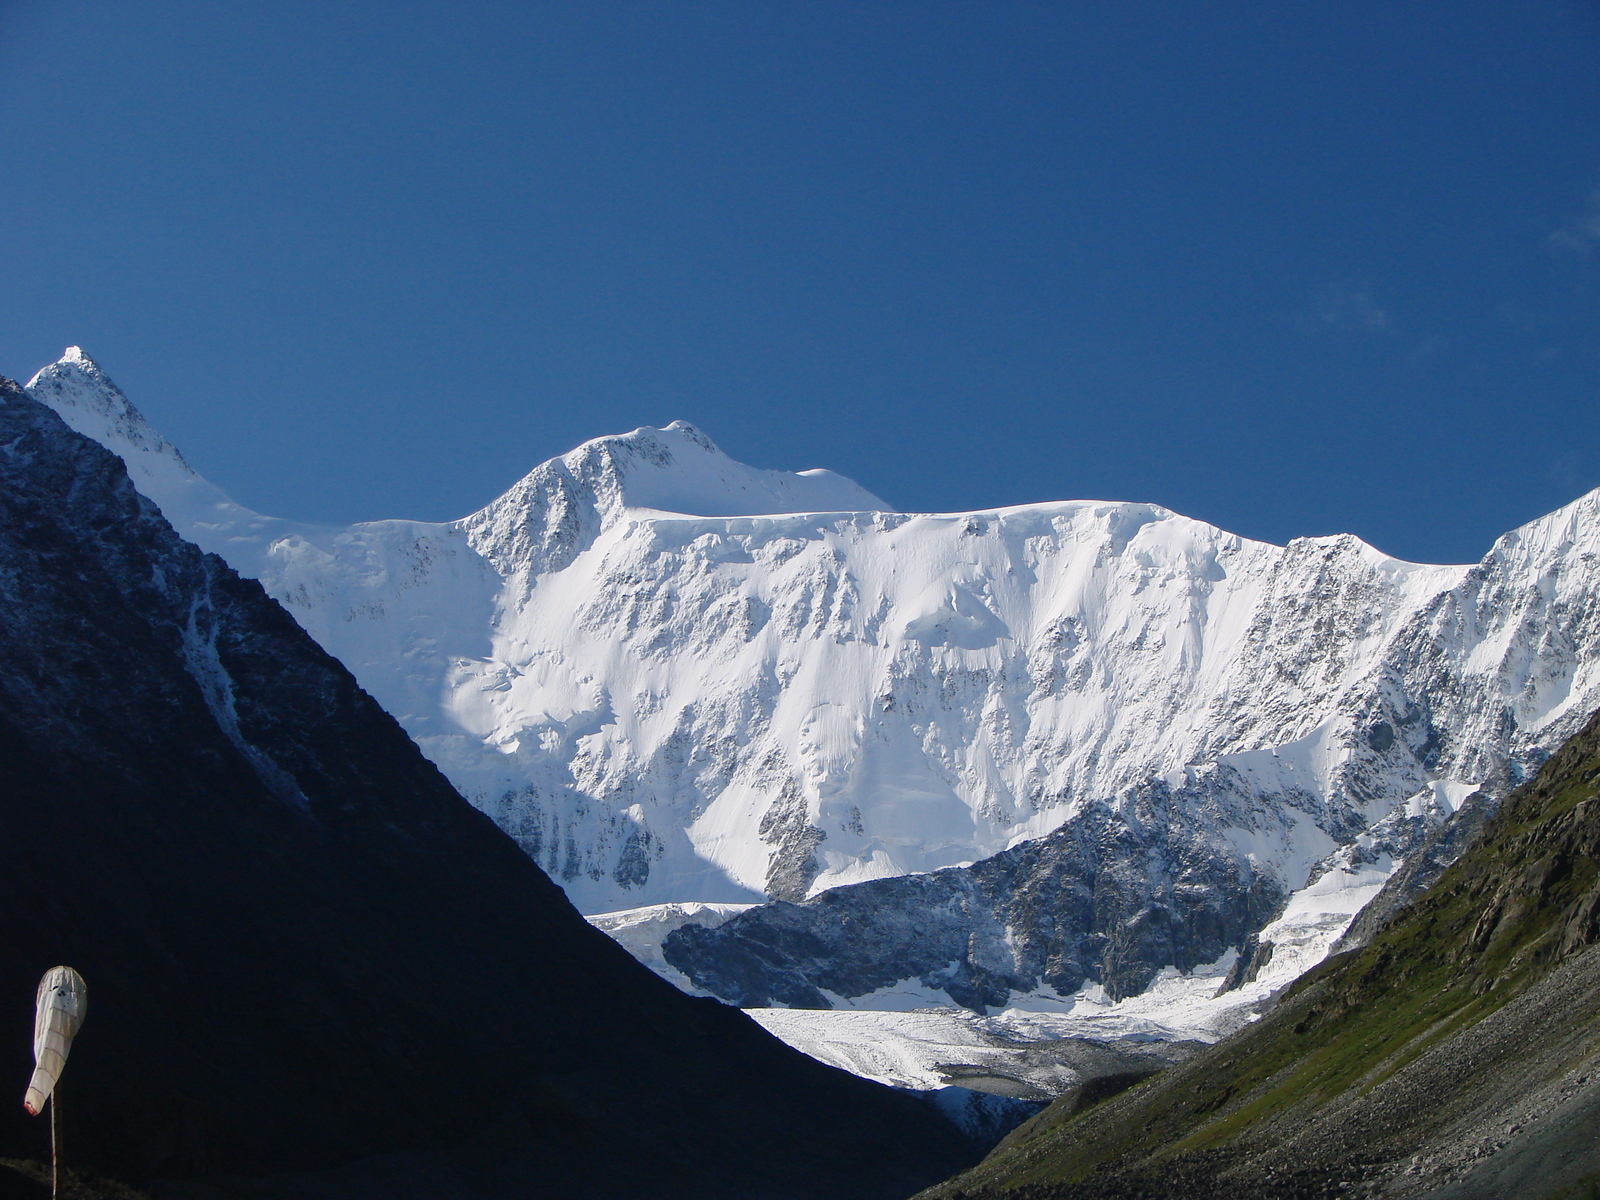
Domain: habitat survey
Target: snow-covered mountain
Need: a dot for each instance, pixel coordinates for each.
(675, 678)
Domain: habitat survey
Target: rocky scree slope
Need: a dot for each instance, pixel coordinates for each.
(1456, 1055)
(311, 961)
(674, 678)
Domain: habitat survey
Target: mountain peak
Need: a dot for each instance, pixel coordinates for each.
(646, 443)
(83, 395)
(76, 355)
(684, 427)
(85, 398)
(1556, 534)
(678, 469)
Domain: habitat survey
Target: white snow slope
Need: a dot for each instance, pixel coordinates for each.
(675, 678)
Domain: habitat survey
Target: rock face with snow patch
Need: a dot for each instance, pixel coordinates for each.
(671, 677)
(1113, 896)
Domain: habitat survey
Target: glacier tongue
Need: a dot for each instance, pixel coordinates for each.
(675, 678)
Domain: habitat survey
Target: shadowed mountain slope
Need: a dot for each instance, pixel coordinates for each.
(304, 950)
(1456, 1055)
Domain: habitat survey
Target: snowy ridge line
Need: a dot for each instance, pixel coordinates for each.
(723, 704)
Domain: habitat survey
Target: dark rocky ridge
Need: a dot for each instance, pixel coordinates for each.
(1424, 851)
(1455, 1056)
(1422, 868)
(1114, 895)
(304, 950)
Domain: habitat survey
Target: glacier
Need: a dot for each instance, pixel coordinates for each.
(676, 679)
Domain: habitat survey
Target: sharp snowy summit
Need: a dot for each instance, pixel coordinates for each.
(675, 678)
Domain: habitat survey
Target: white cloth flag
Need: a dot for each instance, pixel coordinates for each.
(63, 999)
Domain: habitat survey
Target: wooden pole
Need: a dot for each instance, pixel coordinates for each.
(55, 1142)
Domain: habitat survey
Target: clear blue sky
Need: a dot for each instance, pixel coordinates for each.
(1288, 267)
